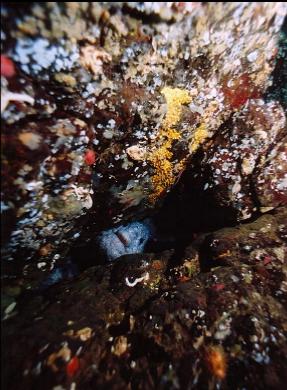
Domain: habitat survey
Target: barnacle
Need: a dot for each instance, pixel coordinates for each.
(136, 152)
(93, 58)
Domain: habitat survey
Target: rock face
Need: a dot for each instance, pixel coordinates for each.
(104, 104)
(217, 318)
(244, 167)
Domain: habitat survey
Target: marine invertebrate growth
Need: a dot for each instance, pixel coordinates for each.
(93, 58)
(161, 155)
(198, 137)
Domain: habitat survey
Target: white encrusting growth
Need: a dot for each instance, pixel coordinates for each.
(36, 55)
(137, 280)
(8, 97)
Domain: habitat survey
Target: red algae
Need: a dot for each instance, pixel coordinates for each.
(238, 91)
(7, 66)
(73, 366)
(90, 157)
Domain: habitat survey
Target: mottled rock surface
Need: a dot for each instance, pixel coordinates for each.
(215, 319)
(244, 167)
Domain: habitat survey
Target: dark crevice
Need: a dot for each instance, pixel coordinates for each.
(278, 89)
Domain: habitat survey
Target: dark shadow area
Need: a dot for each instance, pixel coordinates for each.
(278, 89)
(186, 212)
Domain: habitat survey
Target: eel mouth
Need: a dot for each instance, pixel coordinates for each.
(122, 238)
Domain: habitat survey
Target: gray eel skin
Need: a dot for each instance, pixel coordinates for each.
(125, 239)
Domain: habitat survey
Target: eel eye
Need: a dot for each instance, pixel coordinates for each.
(122, 238)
